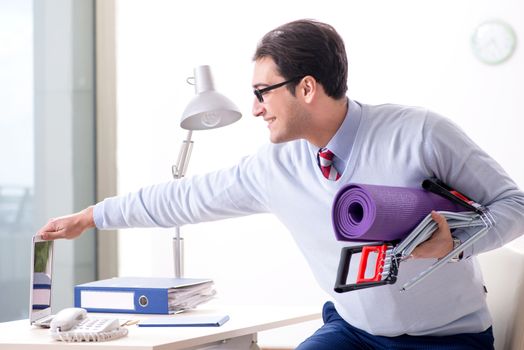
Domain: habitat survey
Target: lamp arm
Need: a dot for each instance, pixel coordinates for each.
(179, 170)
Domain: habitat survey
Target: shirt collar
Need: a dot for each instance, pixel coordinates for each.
(342, 142)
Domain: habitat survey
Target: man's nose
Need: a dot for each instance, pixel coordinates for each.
(258, 108)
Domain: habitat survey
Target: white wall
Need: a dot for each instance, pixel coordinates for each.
(408, 52)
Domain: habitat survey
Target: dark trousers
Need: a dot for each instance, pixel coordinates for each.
(337, 334)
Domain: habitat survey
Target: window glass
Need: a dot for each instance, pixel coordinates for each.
(16, 155)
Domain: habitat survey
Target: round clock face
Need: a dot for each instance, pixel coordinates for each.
(493, 42)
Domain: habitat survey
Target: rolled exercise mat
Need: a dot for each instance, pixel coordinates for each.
(383, 213)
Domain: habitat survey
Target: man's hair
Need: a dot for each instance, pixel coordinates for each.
(308, 47)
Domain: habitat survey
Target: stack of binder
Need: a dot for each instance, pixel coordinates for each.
(146, 295)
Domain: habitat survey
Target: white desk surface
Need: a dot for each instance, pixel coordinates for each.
(244, 320)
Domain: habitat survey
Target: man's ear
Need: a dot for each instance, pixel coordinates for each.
(308, 88)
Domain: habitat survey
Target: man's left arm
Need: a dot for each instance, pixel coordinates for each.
(455, 159)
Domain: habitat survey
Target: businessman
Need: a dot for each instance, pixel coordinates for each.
(321, 139)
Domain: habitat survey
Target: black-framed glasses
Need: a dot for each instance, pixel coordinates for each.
(260, 92)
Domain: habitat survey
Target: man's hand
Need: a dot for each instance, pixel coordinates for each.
(439, 244)
(69, 227)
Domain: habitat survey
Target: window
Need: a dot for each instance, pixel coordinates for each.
(46, 140)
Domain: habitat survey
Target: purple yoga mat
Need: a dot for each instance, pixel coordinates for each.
(383, 213)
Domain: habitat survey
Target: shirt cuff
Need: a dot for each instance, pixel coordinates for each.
(98, 216)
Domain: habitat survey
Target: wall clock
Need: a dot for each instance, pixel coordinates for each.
(493, 42)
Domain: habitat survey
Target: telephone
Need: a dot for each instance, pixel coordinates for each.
(73, 325)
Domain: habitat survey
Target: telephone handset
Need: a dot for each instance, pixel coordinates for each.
(73, 325)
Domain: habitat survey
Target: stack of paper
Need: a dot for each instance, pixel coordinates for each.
(147, 295)
(189, 297)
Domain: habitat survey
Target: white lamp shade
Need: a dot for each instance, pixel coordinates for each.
(208, 109)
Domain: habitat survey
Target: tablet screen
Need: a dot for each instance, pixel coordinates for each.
(41, 277)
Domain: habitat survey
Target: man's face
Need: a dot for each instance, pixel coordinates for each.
(285, 116)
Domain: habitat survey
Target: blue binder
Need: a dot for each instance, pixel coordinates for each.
(142, 295)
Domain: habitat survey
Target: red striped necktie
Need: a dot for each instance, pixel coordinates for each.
(325, 161)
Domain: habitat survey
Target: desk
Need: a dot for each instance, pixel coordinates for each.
(237, 333)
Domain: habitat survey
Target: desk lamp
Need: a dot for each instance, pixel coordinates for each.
(207, 110)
